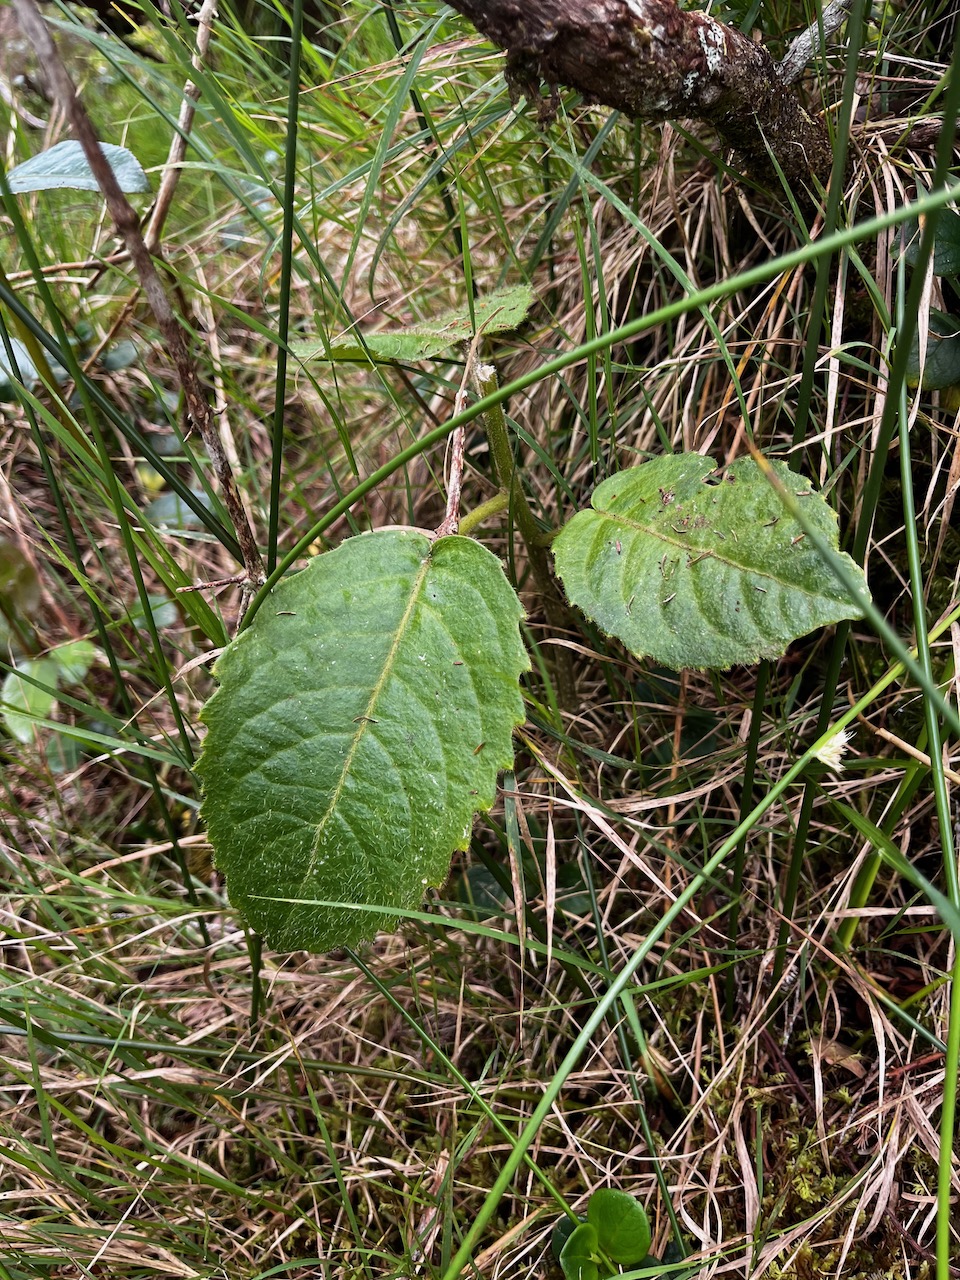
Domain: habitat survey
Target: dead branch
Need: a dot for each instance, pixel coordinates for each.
(656, 62)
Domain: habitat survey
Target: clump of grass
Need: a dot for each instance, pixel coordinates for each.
(770, 1081)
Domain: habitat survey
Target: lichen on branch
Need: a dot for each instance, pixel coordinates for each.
(655, 61)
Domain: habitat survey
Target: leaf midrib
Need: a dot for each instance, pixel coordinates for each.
(707, 552)
(365, 719)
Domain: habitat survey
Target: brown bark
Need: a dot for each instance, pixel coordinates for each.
(656, 62)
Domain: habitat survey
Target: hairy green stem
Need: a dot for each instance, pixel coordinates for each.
(492, 507)
(554, 608)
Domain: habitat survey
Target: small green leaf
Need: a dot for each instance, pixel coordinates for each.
(621, 1224)
(696, 569)
(23, 701)
(73, 660)
(562, 1231)
(941, 367)
(65, 165)
(19, 597)
(496, 312)
(359, 724)
(162, 609)
(578, 1256)
(946, 243)
(121, 356)
(62, 753)
(170, 514)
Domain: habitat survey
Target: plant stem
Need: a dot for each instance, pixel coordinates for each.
(286, 278)
(507, 474)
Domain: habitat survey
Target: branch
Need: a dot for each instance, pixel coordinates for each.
(808, 44)
(178, 146)
(656, 62)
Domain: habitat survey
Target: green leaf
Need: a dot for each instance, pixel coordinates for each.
(563, 1229)
(360, 723)
(696, 569)
(621, 1224)
(161, 608)
(73, 660)
(578, 1256)
(121, 356)
(24, 702)
(496, 312)
(170, 514)
(941, 367)
(65, 165)
(62, 753)
(946, 243)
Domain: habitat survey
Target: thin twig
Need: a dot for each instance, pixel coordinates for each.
(809, 43)
(909, 749)
(178, 145)
(127, 223)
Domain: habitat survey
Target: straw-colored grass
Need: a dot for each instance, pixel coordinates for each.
(174, 1104)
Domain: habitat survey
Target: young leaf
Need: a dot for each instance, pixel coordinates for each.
(359, 724)
(578, 1256)
(496, 312)
(25, 702)
(621, 1224)
(65, 165)
(563, 1229)
(698, 570)
(19, 581)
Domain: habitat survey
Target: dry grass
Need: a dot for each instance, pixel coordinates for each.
(150, 1126)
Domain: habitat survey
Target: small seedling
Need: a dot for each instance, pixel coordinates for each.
(616, 1230)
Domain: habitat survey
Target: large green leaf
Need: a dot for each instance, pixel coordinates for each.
(700, 569)
(359, 724)
(66, 165)
(496, 312)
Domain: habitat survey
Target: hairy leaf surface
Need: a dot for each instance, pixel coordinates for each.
(360, 723)
(699, 569)
(495, 312)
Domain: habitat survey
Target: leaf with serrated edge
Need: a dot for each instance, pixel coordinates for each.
(360, 723)
(495, 312)
(696, 568)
